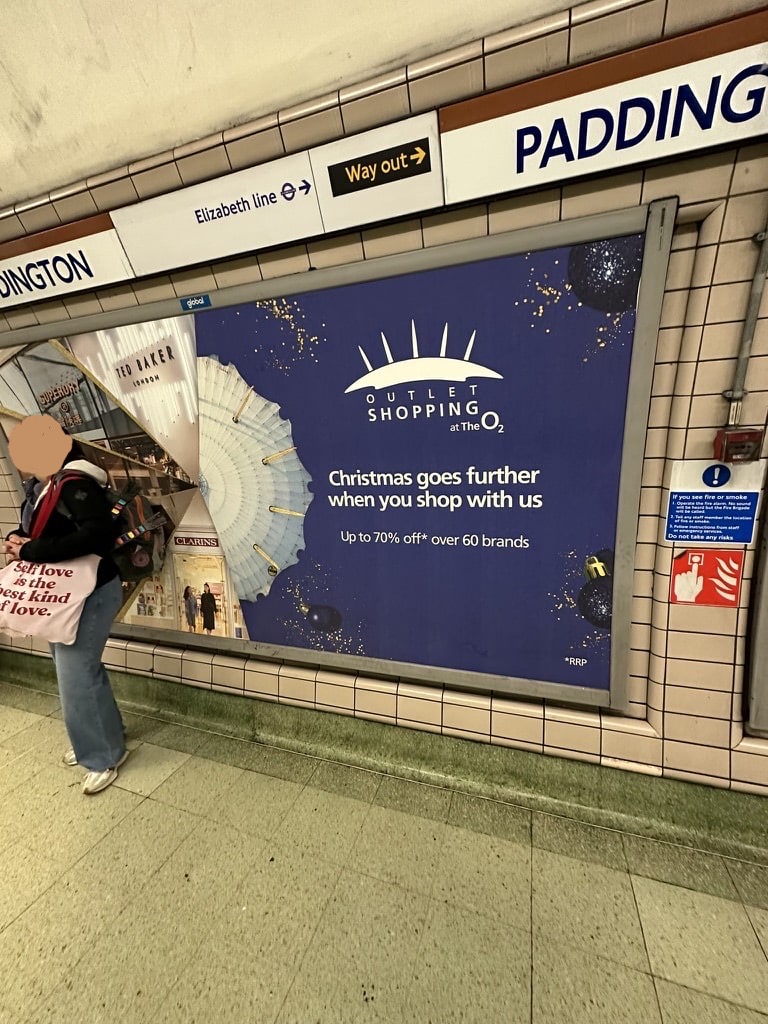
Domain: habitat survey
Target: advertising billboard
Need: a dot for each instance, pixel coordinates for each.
(425, 467)
(453, 440)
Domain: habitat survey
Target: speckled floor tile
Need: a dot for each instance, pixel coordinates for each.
(361, 958)
(575, 839)
(751, 880)
(689, 869)
(274, 911)
(572, 986)
(413, 798)
(148, 767)
(681, 1005)
(587, 906)
(399, 848)
(122, 863)
(10, 1018)
(226, 988)
(485, 875)
(759, 919)
(323, 824)
(57, 929)
(703, 942)
(6, 756)
(197, 785)
(31, 966)
(256, 803)
(75, 823)
(45, 738)
(490, 817)
(344, 781)
(12, 722)
(24, 877)
(97, 992)
(208, 865)
(16, 769)
(470, 970)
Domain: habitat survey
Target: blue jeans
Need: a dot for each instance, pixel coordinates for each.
(91, 715)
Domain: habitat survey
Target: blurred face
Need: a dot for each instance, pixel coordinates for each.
(38, 446)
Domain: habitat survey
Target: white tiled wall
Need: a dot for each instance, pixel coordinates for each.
(686, 664)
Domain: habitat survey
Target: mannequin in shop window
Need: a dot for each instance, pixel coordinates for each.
(208, 609)
(190, 608)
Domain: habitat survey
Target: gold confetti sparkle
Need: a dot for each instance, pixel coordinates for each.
(298, 342)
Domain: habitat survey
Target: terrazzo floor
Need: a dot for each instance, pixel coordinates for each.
(223, 881)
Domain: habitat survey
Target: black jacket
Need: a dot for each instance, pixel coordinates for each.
(89, 531)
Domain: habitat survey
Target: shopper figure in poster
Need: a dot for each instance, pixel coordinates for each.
(208, 609)
(190, 609)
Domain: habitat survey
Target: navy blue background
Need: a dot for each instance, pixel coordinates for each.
(562, 400)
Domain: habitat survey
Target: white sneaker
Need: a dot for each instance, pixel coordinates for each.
(94, 782)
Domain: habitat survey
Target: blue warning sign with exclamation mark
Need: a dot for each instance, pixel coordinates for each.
(712, 503)
(716, 476)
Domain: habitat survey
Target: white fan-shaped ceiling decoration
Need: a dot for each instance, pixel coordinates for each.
(251, 478)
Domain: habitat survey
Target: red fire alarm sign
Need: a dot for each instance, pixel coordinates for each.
(711, 577)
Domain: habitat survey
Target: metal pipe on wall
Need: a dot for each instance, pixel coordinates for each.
(735, 396)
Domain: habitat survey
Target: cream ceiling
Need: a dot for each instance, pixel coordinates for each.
(88, 85)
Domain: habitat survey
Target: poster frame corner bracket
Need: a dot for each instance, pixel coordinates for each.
(662, 212)
(659, 228)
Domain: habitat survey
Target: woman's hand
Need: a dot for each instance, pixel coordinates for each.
(13, 546)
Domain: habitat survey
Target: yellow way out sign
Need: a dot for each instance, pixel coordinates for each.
(372, 169)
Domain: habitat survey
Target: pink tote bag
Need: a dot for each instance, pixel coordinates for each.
(45, 600)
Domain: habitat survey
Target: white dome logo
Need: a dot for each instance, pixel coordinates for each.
(420, 368)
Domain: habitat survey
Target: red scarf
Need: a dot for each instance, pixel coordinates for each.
(49, 501)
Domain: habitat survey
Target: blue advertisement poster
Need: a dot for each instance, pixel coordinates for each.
(425, 469)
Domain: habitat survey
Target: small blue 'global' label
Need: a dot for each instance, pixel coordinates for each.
(193, 302)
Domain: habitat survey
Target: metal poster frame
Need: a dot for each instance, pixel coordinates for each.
(656, 220)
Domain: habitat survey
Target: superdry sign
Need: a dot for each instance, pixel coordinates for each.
(709, 102)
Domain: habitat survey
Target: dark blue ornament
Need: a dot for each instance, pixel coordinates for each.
(595, 601)
(605, 275)
(322, 617)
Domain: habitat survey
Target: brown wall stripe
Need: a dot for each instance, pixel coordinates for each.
(708, 42)
(56, 236)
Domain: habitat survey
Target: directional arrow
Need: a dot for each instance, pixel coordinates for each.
(409, 159)
(305, 187)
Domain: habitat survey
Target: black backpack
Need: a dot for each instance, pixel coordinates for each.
(139, 548)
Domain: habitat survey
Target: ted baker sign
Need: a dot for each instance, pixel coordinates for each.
(154, 364)
(707, 103)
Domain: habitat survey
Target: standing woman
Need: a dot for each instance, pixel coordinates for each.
(208, 609)
(62, 521)
(190, 608)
